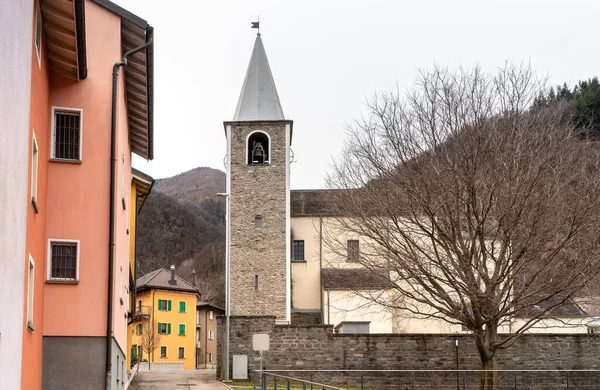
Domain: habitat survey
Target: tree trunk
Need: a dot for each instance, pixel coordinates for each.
(485, 339)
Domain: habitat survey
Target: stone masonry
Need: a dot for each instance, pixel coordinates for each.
(258, 190)
(311, 347)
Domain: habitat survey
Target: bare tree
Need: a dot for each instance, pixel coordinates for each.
(150, 338)
(479, 206)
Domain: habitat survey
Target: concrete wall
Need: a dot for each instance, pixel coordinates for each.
(15, 82)
(259, 190)
(316, 347)
(36, 244)
(74, 363)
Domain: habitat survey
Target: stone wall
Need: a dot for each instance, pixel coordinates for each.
(311, 347)
(258, 190)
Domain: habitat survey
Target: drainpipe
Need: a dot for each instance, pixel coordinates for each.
(321, 264)
(111, 232)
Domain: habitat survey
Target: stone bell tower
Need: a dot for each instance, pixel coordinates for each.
(258, 183)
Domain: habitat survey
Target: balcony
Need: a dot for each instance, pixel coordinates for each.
(142, 312)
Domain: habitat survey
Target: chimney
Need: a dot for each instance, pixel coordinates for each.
(194, 277)
(173, 281)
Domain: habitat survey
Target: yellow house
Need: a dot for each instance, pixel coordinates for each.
(165, 306)
(141, 185)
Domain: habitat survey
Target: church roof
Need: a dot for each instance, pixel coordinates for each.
(258, 99)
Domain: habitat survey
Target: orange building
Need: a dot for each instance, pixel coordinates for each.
(79, 223)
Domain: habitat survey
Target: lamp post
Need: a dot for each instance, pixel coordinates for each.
(227, 277)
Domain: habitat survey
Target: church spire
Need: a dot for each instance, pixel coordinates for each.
(258, 99)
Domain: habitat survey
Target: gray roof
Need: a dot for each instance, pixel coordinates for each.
(258, 99)
(160, 278)
(562, 308)
(208, 305)
(355, 279)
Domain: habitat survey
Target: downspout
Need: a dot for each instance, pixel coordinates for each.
(205, 338)
(153, 325)
(321, 264)
(111, 232)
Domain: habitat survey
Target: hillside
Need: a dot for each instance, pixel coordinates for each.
(183, 223)
(194, 186)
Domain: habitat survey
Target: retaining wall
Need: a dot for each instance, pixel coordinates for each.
(310, 347)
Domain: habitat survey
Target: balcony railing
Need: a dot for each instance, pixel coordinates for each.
(142, 312)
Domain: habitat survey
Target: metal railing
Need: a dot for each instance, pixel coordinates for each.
(140, 312)
(427, 379)
(285, 382)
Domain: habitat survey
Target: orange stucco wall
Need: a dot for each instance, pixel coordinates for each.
(31, 374)
(78, 194)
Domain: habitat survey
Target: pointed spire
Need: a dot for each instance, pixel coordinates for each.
(258, 99)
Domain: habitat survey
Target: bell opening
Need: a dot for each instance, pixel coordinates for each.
(258, 148)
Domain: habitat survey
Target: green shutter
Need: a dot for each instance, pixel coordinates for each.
(159, 327)
(182, 329)
(169, 305)
(182, 306)
(159, 307)
(169, 327)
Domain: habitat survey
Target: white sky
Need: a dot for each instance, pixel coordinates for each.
(327, 57)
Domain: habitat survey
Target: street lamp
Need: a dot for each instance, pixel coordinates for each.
(227, 277)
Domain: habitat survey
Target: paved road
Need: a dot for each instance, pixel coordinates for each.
(176, 380)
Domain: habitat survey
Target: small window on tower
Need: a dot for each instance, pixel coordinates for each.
(258, 148)
(258, 222)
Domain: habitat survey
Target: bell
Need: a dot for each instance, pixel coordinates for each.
(258, 153)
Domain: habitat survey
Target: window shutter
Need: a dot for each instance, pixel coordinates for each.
(169, 305)
(159, 327)
(159, 302)
(169, 327)
(182, 306)
(182, 329)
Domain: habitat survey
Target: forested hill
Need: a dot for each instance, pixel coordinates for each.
(183, 223)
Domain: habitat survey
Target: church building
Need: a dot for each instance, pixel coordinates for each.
(280, 262)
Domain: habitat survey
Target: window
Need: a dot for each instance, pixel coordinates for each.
(34, 173)
(298, 250)
(38, 34)
(164, 328)
(256, 282)
(64, 256)
(164, 305)
(211, 335)
(210, 357)
(182, 329)
(352, 250)
(163, 351)
(66, 134)
(123, 202)
(210, 315)
(121, 284)
(181, 353)
(258, 148)
(258, 222)
(181, 307)
(30, 293)
(139, 328)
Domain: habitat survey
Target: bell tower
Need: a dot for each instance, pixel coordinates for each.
(258, 174)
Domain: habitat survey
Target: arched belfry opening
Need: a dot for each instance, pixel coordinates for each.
(258, 148)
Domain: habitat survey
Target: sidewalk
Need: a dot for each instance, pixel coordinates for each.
(176, 380)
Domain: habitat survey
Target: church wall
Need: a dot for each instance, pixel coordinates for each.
(306, 275)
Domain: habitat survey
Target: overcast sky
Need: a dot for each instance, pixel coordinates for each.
(327, 57)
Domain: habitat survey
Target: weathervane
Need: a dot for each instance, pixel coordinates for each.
(257, 25)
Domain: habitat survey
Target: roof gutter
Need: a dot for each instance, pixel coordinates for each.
(111, 245)
(81, 42)
(150, 90)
